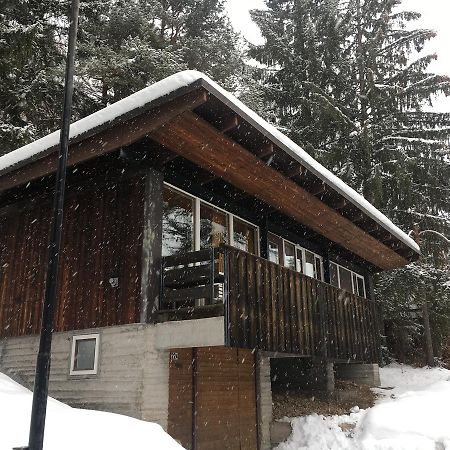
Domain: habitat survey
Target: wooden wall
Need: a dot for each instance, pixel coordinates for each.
(273, 308)
(102, 240)
(212, 398)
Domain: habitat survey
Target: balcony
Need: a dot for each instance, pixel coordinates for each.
(269, 307)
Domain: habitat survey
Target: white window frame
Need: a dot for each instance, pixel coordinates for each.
(82, 337)
(303, 263)
(230, 218)
(352, 273)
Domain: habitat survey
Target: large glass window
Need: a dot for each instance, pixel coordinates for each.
(213, 227)
(275, 249)
(299, 259)
(178, 223)
(244, 236)
(190, 224)
(334, 277)
(289, 255)
(295, 257)
(347, 279)
(309, 264)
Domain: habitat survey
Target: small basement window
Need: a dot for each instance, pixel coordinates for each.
(84, 358)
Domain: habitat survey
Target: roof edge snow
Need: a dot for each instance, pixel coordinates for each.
(175, 85)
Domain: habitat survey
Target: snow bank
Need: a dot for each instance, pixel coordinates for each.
(317, 432)
(411, 415)
(74, 429)
(146, 96)
(416, 413)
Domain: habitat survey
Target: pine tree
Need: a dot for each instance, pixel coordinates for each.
(304, 83)
(30, 71)
(125, 46)
(346, 80)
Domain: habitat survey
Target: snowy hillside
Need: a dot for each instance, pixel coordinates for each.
(69, 428)
(412, 414)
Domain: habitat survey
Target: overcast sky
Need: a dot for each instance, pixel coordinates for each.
(435, 15)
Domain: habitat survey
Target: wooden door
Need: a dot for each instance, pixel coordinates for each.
(212, 398)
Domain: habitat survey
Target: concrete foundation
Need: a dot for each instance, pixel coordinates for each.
(264, 398)
(133, 365)
(368, 374)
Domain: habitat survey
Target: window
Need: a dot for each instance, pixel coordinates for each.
(275, 249)
(178, 223)
(289, 255)
(245, 236)
(84, 356)
(347, 279)
(213, 227)
(295, 257)
(311, 263)
(191, 224)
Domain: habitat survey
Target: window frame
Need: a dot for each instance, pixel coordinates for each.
(303, 250)
(353, 274)
(84, 337)
(230, 220)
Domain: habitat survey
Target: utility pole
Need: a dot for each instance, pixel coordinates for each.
(427, 332)
(40, 392)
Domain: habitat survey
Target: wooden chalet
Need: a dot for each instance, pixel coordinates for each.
(202, 250)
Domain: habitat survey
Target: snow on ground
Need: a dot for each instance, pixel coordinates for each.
(74, 429)
(413, 415)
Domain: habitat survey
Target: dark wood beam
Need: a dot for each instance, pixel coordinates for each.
(372, 228)
(228, 123)
(318, 189)
(120, 135)
(201, 143)
(358, 218)
(265, 151)
(163, 159)
(207, 178)
(386, 237)
(294, 171)
(340, 204)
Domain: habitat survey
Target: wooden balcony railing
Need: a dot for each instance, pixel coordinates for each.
(192, 285)
(270, 307)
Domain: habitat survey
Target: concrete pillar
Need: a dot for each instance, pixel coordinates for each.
(322, 374)
(264, 399)
(155, 381)
(368, 374)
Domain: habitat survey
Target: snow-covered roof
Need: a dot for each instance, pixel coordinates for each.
(146, 98)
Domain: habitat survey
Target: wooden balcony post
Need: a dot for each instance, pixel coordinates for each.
(226, 294)
(151, 246)
(323, 317)
(378, 318)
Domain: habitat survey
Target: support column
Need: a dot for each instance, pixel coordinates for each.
(151, 246)
(322, 375)
(380, 334)
(264, 400)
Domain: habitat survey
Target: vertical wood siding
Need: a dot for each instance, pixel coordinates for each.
(212, 399)
(102, 240)
(270, 307)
